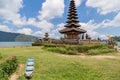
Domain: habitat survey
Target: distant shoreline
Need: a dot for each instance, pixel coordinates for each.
(14, 44)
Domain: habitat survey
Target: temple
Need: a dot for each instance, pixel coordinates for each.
(72, 31)
(72, 28)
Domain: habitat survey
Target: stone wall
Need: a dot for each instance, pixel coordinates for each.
(73, 41)
(56, 41)
(67, 41)
(89, 41)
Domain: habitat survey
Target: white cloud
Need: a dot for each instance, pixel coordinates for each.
(104, 6)
(51, 9)
(39, 34)
(31, 21)
(9, 10)
(90, 27)
(55, 31)
(26, 31)
(20, 22)
(103, 36)
(78, 3)
(60, 26)
(4, 28)
(112, 23)
(116, 20)
(44, 25)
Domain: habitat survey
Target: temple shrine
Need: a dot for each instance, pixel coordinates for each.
(72, 31)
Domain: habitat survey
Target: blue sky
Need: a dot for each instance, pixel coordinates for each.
(35, 17)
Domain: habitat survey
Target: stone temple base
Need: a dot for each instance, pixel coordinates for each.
(74, 41)
(68, 41)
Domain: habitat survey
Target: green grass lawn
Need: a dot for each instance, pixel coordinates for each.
(54, 66)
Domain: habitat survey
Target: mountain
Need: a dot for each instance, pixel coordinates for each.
(9, 37)
(117, 38)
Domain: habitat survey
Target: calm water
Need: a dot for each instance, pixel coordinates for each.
(11, 44)
(118, 43)
(105, 43)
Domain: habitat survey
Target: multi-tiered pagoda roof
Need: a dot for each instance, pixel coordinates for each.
(72, 23)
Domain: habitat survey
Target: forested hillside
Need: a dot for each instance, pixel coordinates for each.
(117, 38)
(7, 36)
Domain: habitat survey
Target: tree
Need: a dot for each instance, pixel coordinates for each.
(98, 39)
(87, 36)
(82, 36)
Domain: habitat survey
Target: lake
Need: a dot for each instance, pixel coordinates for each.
(118, 43)
(17, 44)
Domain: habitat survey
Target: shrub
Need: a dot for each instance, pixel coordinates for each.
(0, 56)
(71, 48)
(91, 49)
(100, 51)
(85, 48)
(9, 66)
(3, 75)
(54, 45)
(72, 52)
(62, 51)
(49, 45)
(37, 44)
(57, 50)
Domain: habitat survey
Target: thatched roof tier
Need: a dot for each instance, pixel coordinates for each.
(65, 30)
(72, 25)
(72, 20)
(72, 9)
(72, 14)
(72, 17)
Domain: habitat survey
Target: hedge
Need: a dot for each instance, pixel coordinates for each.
(8, 67)
(55, 45)
(62, 51)
(0, 56)
(100, 51)
(89, 49)
(85, 48)
(37, 44)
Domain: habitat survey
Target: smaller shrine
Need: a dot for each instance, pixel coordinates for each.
(46, 38)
